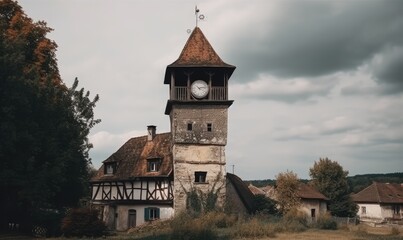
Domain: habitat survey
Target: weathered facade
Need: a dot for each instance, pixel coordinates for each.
(150, 177)
(380, 202)
(198, 109)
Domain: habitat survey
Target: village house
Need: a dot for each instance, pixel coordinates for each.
(151, 177)
(313, 203)
(380, 202)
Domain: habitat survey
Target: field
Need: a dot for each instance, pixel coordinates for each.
(164, 231)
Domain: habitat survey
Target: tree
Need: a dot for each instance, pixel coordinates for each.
(287, 191)
(44, 125)
(329, 178)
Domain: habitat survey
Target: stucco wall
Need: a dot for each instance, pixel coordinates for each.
(189, 159)
(373, 212)
(308, 204)
(116, 217)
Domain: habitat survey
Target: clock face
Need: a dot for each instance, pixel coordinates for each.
(199, 89)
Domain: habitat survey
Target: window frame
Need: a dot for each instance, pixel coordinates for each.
(200, 177)
(155, 162)
(151, 213)
(110, 168)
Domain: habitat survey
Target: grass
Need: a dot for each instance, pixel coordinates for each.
(220, 226)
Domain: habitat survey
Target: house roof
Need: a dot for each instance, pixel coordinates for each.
(255, 190)
(305, 191)
(380, 193)
(243, 192)
(131, 159)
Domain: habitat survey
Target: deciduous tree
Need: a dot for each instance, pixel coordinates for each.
(287, 184)
(329, 178)
(44, 125)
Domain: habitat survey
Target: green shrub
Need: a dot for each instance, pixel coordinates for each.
(326, 222)
(81, 222)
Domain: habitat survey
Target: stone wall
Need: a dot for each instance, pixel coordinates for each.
(199, 116)
(189, 159)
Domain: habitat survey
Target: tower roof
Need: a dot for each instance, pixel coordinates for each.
(199, 52)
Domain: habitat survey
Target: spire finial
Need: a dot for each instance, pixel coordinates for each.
(197, 14)
(198, 17)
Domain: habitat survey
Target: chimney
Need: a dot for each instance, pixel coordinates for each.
(151, 129)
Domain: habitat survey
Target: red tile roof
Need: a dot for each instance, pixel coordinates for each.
(380, 193)
(131, 159)
(199, 52)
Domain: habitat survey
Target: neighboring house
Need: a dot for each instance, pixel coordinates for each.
(150, 177)
(313, 203)
(380, 202)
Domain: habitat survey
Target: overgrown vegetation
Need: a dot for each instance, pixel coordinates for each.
(83, 222)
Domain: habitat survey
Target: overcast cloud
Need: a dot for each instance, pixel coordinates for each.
(314, 78)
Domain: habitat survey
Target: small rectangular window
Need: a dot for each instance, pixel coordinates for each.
(153, 165)
(190, 126)
(363, 210)
(151, 213)
(209, 127)
(200, 177)
(110, 168)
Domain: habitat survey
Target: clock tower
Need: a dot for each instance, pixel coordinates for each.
(198, 110)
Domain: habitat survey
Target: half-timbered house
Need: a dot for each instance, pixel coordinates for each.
(135, 183)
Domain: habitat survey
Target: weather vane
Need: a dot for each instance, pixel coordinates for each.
(198, 17)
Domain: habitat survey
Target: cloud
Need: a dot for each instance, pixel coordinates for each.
(312, 38)
(290, 90)
(388, 68)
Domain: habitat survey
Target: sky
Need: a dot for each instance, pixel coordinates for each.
(314, 78)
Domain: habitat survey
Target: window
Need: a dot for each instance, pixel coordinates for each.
(200, 177)
(209, 127)
(190, 126)
(153, 165)
(151, 213)
(363, 210)
(396, 209)
(110, 168)
(313, 213)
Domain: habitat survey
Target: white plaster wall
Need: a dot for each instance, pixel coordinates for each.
(166, 212)
(373, 211)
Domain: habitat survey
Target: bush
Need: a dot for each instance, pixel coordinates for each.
(253, 228)
(293, 221)
(184, 226)
(81, 222)
(394, 231)
(326, 222)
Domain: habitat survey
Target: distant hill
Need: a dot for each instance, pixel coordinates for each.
(357, 182)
